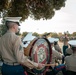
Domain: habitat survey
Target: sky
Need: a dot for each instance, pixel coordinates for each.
(63, 20)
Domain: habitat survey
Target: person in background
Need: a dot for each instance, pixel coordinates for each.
(12, 52)
(70, 61)
(65, 46)
(69, 51)
(56, 45)
(55, 56)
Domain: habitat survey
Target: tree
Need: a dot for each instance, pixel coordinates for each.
(46, 34)
(59, 34)
(35, 34)
(54, 35)
(3, 29)
(74, 34)
(24, 34)
(36, 9)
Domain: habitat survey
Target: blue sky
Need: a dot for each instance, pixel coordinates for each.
(64, 20)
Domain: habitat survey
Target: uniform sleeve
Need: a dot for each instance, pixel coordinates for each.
(58, 48)
(66, 61)
(57, 54)
(19, 55)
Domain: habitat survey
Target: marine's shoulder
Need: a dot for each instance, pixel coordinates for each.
(16, 37)
(68, 57)
(13, 35)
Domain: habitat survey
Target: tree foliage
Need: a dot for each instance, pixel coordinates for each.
(3, 29)
(74, 34)
(36, 9)
(24, 34)
(54, 35)
(35, 34)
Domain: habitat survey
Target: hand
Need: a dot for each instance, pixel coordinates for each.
(61, 52)
(40, 65)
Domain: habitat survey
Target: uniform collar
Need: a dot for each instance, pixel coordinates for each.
(9, 31)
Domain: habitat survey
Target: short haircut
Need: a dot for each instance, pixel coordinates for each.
(9, 24)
